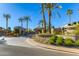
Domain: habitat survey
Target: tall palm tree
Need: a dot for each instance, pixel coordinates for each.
(27, 19)
(69, 13)
(7, 16)
(41, 22)
(21, 21)
(43, 15)
(49, 7)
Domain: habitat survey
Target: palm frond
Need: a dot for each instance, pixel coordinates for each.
(54, 15)
(6, 16)
(20, 19)
(58, 14)
(27, 18)
(69, 11)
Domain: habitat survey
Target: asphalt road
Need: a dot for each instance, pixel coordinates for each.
(7, 50)
(18, 47)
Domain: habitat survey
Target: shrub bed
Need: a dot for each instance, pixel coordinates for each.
(61, 41)
(58, 40)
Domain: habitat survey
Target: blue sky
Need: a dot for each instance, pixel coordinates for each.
(17, 10)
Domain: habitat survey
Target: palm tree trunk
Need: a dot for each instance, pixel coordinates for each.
(27, 25)
(70, 19)
(42, 28)
(49, 25)
(21, 24)
(6, 23)
(44, 18)
(21, 28)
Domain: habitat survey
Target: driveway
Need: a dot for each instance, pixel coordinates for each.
(18, 41)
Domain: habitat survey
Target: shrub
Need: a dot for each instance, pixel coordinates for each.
(74, 23)
(59, 41)
(69, 24)
(68, 42)
(77, 42)
(78, 22)
(76, 32)
(52, 39)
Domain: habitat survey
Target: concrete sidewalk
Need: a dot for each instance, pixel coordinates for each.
(74, 51)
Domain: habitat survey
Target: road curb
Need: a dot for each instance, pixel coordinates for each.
(58, 48)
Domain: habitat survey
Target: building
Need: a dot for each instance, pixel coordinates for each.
(69, 29)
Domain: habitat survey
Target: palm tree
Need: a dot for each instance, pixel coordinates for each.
(27, 19)
(43, 15)
(69, 13)
(49, 7)
(21, 21)
(7, 16)
(41, 22)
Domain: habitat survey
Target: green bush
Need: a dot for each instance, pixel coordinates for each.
(59, 41)
(76, 32)
(74, 23)
(77, 42)
(68, 42)
(52, 39)
(69, 24)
